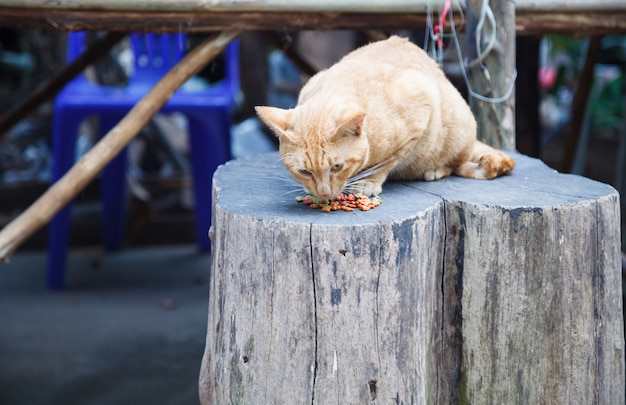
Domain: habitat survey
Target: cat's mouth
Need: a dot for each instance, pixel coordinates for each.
(325, 191)
(325, 196)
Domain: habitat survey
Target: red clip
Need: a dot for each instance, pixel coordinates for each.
(438, 29)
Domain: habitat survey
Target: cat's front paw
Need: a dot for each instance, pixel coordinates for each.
(440, 173)
(367, 188)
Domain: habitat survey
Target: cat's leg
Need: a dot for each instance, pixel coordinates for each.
(370, 181)
(370, 188)
(440, 173)
(485, 163)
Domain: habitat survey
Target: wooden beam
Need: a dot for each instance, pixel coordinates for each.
(559, 6)
(258, 6)
(156, 21)
(60, 193)
(302, 6)
(527, 22)
(579, 24)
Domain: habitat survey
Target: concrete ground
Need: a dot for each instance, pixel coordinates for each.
(129, 328)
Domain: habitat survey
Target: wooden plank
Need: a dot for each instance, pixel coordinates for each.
(528, 22)
(131, 20)
(559, 6)
(300, 6)
(577, 23)
(372, 6)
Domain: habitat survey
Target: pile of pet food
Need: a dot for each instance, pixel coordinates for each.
(343, 202)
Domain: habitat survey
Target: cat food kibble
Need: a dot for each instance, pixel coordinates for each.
(343, 202)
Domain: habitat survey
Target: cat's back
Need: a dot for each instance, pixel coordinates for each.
(396, 51)
(371, 67)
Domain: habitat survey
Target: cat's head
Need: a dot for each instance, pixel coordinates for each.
(321, 150)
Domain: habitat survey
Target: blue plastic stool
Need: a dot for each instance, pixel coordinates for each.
(208, 112)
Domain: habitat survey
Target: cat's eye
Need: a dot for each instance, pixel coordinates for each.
(336, 167)
(304, 172)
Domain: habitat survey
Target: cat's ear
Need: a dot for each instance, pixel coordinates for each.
(277, 119)
(350, 124)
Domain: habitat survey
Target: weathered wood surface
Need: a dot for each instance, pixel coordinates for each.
(456, 291)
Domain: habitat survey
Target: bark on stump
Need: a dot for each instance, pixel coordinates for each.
(455, 291)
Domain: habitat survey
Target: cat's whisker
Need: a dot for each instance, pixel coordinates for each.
(356, 182)
(291, 185)
(293, 191)
(285, 179)
(369, 171)
(299, 192)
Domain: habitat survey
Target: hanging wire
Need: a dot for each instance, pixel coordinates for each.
(431, 39)
(434, 35)
(486, 14)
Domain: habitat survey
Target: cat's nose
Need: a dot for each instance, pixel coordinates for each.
(324, 191)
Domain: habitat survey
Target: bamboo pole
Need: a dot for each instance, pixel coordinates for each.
(60, 193)
(52, 86)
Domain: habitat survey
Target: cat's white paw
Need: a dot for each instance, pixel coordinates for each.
(440, 173)
(369, 188)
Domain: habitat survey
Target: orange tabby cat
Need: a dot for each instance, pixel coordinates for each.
(385, 110)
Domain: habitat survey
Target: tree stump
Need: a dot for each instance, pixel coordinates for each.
(456, 291)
